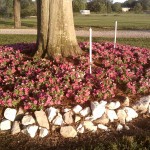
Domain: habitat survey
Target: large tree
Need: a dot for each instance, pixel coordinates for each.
(17, 20)
(56, 34)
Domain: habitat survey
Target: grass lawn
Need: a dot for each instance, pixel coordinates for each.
(100, 21)
(139, 42)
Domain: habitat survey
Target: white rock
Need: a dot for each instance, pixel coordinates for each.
(58, 120)
(27, 120)
(113, 105)
(68, 132)
(102, 127)
(51, 113)
(97, 109)
(80, 128)
(15, 128)
(10, 114)
(86, 111)
(119, 127)
(89, 118)
(103, 120)
(77, 109)
(32, 130)
(121, 116)
(68, 117)
(5, 125)
(42, 119)
(77, 118)
(149, 109)
(143, 104)
(111, 115)
(67, 109)
(131, 113)
(90, 126)
(103, 103)
(43, 132)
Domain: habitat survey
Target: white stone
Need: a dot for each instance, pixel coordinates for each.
(15, 128)
(89, 118)
(10, 114)
(121, 116)
(42, 119)
(77, 118)
(90, 126)
(119, 127)
(103, 103)
(68, 119)
(58, 120)
(68, 132)
(113, 105)
(5, 125)
(86, 111)
(143, 104)
(43, 132)
(27, 120)
(32, 130)
(80, 128)
(102, 127)
(77, 109)
(51, 113)
(111, 115)
(97, 109)
(149, 109)
(131, 113)
(67, 109)
(103, 120)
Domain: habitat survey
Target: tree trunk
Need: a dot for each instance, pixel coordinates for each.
(56, 33)
(17, 21)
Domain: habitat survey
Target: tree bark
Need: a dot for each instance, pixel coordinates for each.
(56, 33)
(17, 20)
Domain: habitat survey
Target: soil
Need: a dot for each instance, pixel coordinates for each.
(139, 128)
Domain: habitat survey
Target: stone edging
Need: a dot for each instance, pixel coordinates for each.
(74, 121)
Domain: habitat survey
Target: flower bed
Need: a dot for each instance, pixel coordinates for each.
(35, 84)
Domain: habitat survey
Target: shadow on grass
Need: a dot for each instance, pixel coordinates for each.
(138, 137)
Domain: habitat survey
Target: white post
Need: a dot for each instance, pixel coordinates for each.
(90, 51)
(115, 34)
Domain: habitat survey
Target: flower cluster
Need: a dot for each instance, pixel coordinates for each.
(36, 84)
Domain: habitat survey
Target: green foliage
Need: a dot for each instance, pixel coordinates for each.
(116, 7)
(79, 5)
(138, 8)
(28, 8)
(6, 8)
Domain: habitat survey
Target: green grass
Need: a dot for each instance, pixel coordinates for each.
(125, 21)
(139, 42)
(99, 21)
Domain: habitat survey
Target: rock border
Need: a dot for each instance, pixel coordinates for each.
(76, 120)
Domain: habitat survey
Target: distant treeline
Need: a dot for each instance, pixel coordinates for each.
(107, 6)
(28, 7)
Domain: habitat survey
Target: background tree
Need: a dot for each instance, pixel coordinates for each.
(138, 8)
(79, 5)
(28, 8)
(116, 7)
(17, 19)
(56, 34)
(6, 8)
